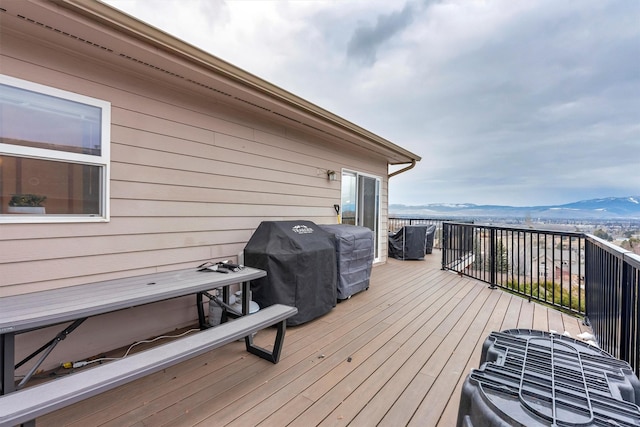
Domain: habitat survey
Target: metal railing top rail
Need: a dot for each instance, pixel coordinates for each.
(629, 257)
(517, 228)
(633, 260)
(395, 223)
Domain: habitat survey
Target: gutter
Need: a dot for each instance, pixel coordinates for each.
(405, 169)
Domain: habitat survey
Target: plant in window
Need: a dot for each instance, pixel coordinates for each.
(26, 204)
(26, 200)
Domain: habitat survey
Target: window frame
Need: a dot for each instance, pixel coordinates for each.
(103, 161)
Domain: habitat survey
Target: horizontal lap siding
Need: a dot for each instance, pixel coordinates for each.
(191, 179)
(173, 159)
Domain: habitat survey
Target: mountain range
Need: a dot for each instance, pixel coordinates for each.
(606, 208)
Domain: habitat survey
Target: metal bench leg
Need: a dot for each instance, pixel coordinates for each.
(7, 351)
(274, 355)
(202, 320)
(47, 348)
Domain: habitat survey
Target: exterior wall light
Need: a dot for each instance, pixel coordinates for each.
(332, 176)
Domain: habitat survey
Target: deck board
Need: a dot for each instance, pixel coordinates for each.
(450, 414)
(393, 355)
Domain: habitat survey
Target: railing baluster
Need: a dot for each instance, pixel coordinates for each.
(492, 257)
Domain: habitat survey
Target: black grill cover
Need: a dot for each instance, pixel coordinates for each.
(300, 260)
(354, 255)
(431, 235)
(410, 242)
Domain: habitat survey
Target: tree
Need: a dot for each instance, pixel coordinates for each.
(501, 263)
(477, 252)
(603, 235)
(502, 257)
(631, 244)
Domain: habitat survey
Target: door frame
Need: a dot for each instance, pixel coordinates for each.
(378, 180)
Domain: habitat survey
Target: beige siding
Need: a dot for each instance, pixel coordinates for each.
(191, 178)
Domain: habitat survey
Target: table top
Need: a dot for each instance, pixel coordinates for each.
(38, 309)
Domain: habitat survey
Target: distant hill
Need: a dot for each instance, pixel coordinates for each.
(607, 208)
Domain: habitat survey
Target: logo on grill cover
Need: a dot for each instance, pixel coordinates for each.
(302, 229)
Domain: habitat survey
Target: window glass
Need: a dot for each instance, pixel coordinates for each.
(33, 119)
(58, 188)
(349, 198)
(54, 154)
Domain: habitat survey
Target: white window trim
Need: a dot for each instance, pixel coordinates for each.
(104, 160)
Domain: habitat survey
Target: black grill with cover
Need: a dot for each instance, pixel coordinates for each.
(300, 260)
(354, 257)
(412, 241)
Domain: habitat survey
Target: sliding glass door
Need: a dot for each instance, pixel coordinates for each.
(361, 203)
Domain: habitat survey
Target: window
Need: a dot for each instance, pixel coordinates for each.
(361, 203)
(54, 154)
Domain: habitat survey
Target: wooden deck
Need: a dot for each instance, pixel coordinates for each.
(393, 355)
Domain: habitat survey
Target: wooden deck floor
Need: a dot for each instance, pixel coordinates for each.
(393, 355)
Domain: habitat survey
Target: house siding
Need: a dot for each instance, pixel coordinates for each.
(191, 179)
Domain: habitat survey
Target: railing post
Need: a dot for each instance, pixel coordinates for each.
(587, 282)
(444, 241)
(492, 255)
(626, 312)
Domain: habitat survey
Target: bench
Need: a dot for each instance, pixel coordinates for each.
(25, 405)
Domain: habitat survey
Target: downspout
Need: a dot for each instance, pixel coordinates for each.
(411, 166)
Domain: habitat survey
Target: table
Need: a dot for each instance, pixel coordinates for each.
(26, 312)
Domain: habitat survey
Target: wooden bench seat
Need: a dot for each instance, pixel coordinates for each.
(24, 406)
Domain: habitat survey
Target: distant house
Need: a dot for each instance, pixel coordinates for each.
(564, 268)
(154, 155)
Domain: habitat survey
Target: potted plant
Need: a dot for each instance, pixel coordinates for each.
(26, 203)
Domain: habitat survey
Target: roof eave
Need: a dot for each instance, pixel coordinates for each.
(133, 27)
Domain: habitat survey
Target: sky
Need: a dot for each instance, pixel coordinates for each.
(519, 103)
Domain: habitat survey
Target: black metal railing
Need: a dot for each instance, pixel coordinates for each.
(574, 272)
(613, 300)
(542, 265)
(396, 223)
